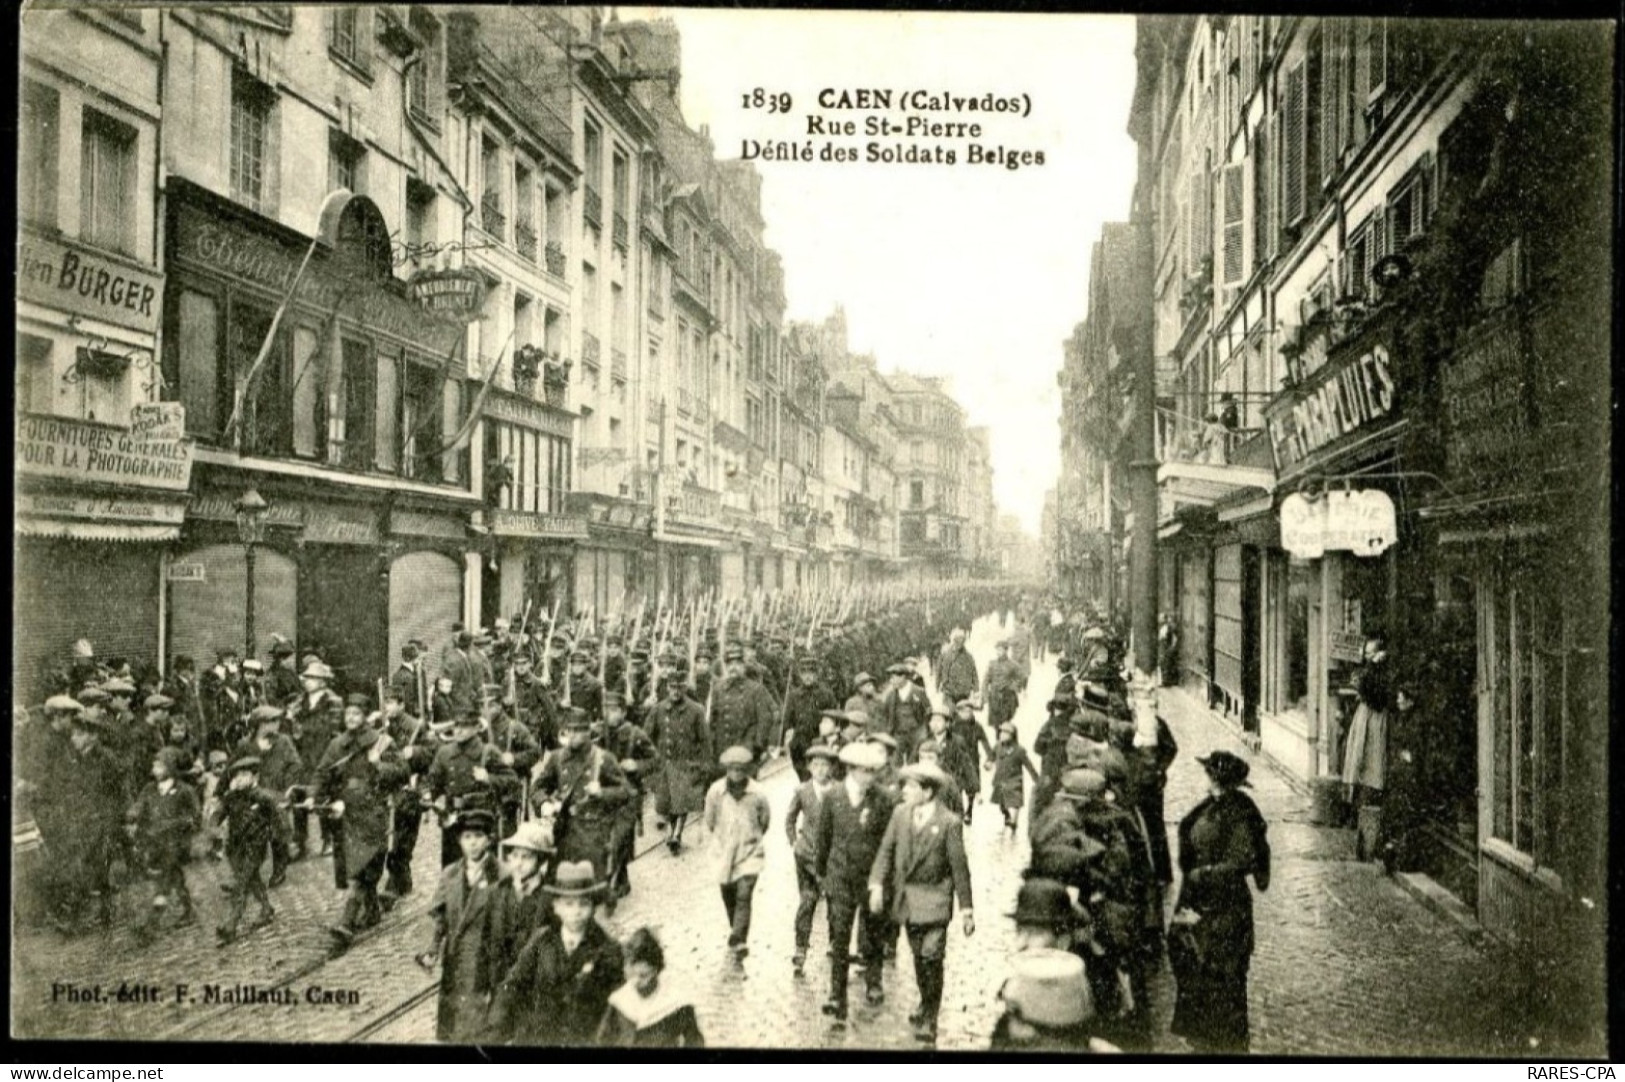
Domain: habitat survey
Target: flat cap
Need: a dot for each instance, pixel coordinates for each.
(737, 756)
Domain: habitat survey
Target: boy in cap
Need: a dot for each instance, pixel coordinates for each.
(522, 908)
(805, 806)
(280, 769)
(864, 696)
(558, 989)
(950, 796)
(162, 821)
(737, 817)
(850, 826)
(470, 966)
(955, 759)
(921, 866)
(252, 820)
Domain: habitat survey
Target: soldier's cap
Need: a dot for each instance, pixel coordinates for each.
(1082, 784)
(64, 704)
(640, 655)
(886, 740)
(253, 665)
(578, 656)
(476, 819)
(588, 644)
(613, 639)
(897, 668)
(247, 762)
(807, 663)
(263, 713)
(737, 756)
(559, 641)
(573, 717)
(89, 696)
(863, 756)
(355, 698)
(929, 774)
(1060, 704)
(529, 835)
(837, 715)
(522, 657)
(315, 669)
(861, 679)
(614, 698)
(966, 704)
(819, 751)
(118, 686)
(158, 702)
(574, 880)
(734, 653)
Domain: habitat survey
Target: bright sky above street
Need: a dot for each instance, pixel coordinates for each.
(973, 272)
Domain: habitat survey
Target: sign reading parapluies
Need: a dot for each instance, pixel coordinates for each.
(1361, 522)
(457, 293)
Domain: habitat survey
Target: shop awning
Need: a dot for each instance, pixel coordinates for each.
(96, 531)
(1206, 482)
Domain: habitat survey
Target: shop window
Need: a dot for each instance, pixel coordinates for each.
(39, 122)
(107, 183)
(310, 376)
(193, 362)
(350, 417)
(262, 419)
(253, 143)
(387, 415)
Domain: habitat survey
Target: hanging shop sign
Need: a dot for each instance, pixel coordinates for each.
(535, 524)
(1362, 522)
(87, 451)
(458, 293)
(67, 275)
(1341, 398)
(158, 420)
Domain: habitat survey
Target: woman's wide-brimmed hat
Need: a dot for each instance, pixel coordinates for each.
(1226, 768)
(575, 880)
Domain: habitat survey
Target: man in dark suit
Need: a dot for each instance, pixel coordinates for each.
(851, 822)
(904, 711)
(922, 863)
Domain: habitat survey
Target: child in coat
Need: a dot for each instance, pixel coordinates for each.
(1009, 761)
(253, 823)
(162, 820)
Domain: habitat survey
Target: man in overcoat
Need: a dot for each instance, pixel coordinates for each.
(742, 710)
(470, 966)
(806, 702)
(851, 823)
(677, 727)
(359, 772)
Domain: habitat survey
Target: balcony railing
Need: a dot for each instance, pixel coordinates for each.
(589, 349)
(524, 238)
(696, 503)
(617, 364)
(592, 206)
(492, 219)
(618, 231)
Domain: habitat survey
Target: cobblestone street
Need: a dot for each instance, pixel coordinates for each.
(1347, 963)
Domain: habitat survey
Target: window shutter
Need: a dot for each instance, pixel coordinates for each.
(1294, 147)
(366, 37)
(1331, 98)
(1234, 268)
(1377, 59)
(1263, 178)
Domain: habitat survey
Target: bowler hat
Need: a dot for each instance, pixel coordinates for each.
(1043, 902)
(863, 756)
(530, 835)
(574, 879)
(737, 756)
(1048, 988)
(925, 774)
(1226, 768)
(475, 819)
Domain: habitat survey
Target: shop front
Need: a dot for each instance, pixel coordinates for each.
(95, 509)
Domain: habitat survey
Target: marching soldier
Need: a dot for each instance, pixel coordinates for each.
(703, 676)
(582, 788)
(467, 774)
(533, 704)
(679, 732)
(742, 709)
(359, 773)
(804, 705)
(407, 681)
(516, 748)
(582, 689)
(418, 746)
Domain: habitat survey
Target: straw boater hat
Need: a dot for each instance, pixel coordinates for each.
(264, 713)
(315, 669)
(529, 835)
(864, 756)
(926, 774)
(885, 740)
(66, 704)
(574, 880)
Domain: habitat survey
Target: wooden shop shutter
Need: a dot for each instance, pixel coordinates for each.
(1294, 147)
(1234, 223)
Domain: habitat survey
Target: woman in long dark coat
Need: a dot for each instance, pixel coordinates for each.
(1221, 842)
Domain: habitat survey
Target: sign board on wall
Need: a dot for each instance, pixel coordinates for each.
(69, 276)
(101, 508)
(88, 451)
(1342, 397)
(1361, 522)
(158, 421)
(188, 573)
